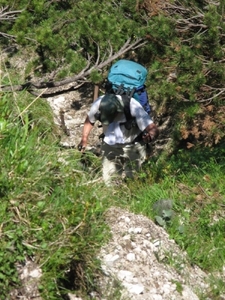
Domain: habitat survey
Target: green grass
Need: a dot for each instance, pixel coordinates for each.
(49, 208)
(196, 186)
(52, 206)
(194, 180)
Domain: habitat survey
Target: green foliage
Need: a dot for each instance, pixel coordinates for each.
(216, 288)
(96, 77)
(48, 209)
(56, 30)
(194, 180)
(65, 37)
(166, 217)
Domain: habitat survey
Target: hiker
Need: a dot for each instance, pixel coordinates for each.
(123, 147)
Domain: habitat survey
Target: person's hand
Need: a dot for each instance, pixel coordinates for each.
(81, 146)
(146, 136)
(150, 133)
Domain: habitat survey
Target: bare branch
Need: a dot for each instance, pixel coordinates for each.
(98, 56)
(6, 35)
(78, 80)
(215, 92)
(8, 15)
(212, 90)
(191, 17)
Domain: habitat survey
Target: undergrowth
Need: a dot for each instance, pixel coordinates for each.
(50, 211)
(193, 180)
(53, 203)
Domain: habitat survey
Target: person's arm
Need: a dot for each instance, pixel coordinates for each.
(144, 122)
(86, 131)
(150, 133)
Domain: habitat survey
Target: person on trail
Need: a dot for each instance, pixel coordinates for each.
(124, 142)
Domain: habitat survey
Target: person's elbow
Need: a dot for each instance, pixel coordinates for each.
(88, 122)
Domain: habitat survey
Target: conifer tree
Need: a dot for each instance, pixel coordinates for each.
(181, 44)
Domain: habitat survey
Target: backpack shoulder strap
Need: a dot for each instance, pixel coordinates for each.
(130, 120)
(126, 102)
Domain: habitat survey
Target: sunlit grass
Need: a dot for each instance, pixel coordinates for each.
(53, 202)
(196, 187)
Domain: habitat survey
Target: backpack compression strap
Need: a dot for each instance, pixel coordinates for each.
(120, 90)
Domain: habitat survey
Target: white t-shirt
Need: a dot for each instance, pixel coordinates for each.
(115, 132)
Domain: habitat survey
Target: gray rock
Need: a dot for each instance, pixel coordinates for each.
(145, 276)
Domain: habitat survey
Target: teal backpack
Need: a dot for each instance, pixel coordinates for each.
(128, 78)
